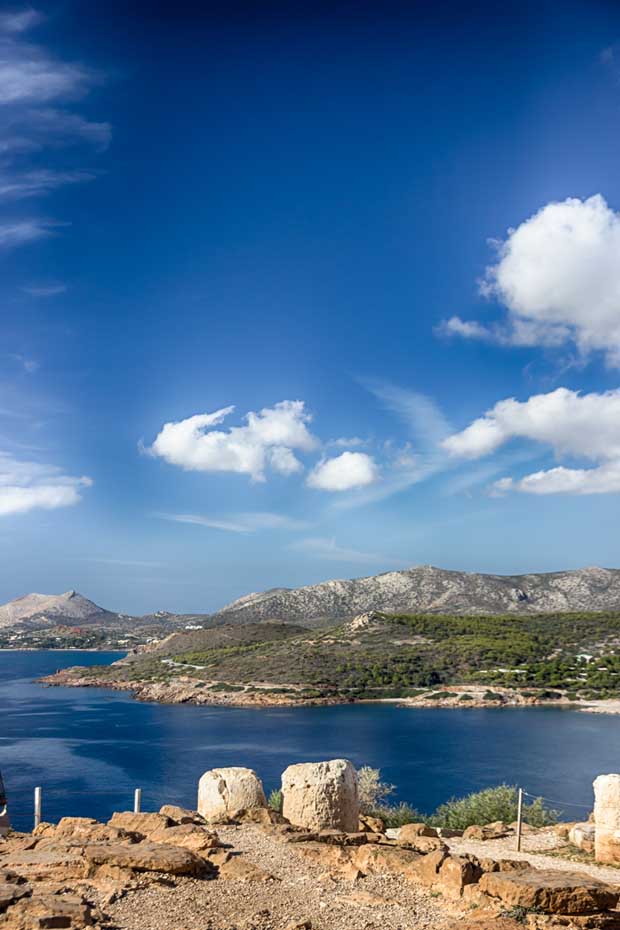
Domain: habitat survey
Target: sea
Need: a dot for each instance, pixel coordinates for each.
(89, 748)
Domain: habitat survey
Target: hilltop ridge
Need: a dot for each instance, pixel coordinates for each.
(428, 589)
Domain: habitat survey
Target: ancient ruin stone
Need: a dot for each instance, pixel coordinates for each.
(582, 835)
(49, 910)
(411, 831)
(264, 816)
(186, 835)
(240, 869)
(141, 824)
(180, 815)
(223, 791)
(550, 891)
(58, 864)
(371, 824)
(607, 818)
(492, 831)
(456, 872)
(395, 860)
(321, 795)
(423, 844)
(147, 857)
(427, 867)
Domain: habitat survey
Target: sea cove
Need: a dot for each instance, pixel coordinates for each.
(89, 748)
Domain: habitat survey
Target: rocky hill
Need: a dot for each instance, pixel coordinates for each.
(41, 610)
(426, 589)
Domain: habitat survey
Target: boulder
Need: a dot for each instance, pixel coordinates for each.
(455, 873)
(491, 831)
(424, 844)
(321, 795)
(10, 892)
(583, 836)
(327, 857)
(607, 818)
(240, 869)
(187, 836)
(50, 910)
(140, 824)
(179, 815)
(148, 857)
(394, 860)
(80, 830)
(427, 867)
(371, 824)
(550, 891)
(412, 831)
(264, 816)
(58, 864)
(504, 865)
(223, 791)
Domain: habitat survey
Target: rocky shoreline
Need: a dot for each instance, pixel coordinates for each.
(186, 690)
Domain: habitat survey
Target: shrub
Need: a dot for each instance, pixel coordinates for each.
(489, 805)
(275, 800)
(397, 815)
(371, 790)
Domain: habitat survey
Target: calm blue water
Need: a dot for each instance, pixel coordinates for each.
(90, 748)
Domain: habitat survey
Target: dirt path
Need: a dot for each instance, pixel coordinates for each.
(533, 848)
(300, 894)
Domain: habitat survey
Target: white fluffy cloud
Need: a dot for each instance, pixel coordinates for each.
(573, 425)
(27, 486)
(267, 440)
(558, 276)
(344, 472)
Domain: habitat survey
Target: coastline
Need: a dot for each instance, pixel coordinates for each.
(191, 691)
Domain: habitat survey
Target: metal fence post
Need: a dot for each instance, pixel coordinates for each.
(37, 806)
(519, 818)
(137, 800)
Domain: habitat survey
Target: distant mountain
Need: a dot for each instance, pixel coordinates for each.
(41, 610)
(426, 589)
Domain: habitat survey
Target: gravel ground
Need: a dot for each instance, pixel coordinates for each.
(299, 899)
(533, 848)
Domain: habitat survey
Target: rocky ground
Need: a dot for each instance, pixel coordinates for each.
(255, 871)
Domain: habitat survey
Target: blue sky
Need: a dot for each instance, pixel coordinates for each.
(388, 237)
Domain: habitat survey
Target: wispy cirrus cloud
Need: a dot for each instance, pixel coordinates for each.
(249, 522)
(37, 89)
(52, 289)
(39, 183)
(326, 548)
(22, 232)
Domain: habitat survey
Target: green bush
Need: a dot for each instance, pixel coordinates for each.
(487, 806)
(275, 800)
(397, 815)
(493, 696)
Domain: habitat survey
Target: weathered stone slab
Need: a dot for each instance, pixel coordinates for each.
(147, 857)
(143, 824)
(186, 835)
(551, 891)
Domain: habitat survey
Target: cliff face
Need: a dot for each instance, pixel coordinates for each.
(425, 589)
